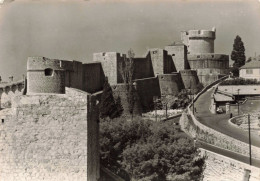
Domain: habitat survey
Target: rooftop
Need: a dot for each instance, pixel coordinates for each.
(251, 64)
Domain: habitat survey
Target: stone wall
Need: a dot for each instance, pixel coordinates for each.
(179, 56)
(119, 90)
(143, 67)
(9, 91)
(196, 129)
(189, 79)
(110, 63)
(208, 60)
(147, 89)
(162, 63)
(50, 137)
(219, 167)
(170, 84)
(93, 77)
(199, 41)
(45, 76)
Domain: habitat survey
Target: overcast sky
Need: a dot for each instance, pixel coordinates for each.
(75, 30)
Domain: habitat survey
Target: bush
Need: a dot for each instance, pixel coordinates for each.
(149, 150)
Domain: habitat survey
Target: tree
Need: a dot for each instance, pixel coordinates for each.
(108, 107)
(149, 150)
(238, 55)
(127, 70)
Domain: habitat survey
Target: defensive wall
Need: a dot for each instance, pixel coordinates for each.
(193, 127)
(170, 84)
(50, 137)
(190, 79)
(52, 75)
(119, 90)
(219, 167)
(8, 91)
(162, 63)
(110, 63)
(178, 52)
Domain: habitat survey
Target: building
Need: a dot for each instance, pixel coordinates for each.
(201, 57)
(251, 70)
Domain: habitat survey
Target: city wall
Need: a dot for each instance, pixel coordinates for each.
(50, 137)
(147, 89)
(190, 79)
(170, 84)
(179, 56)
(9, 91)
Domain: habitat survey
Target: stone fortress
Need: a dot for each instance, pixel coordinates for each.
(49, 120)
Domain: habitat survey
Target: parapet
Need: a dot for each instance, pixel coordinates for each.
(45, 76)
(197, 34)
(208, 56)
(41, 63)
(101, 56)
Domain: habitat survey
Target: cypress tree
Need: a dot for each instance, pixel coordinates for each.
(107, 106)
(238, 55)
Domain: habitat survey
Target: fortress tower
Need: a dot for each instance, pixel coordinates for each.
(45, 76)
(199, 41)
(201, 56)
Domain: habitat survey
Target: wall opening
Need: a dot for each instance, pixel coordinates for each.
(3, 120)
(48, 72)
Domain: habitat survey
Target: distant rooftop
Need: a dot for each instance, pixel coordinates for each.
(251, 64)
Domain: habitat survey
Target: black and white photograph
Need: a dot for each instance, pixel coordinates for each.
(129, 90)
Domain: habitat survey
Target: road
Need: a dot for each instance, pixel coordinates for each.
(219, 122)
(227, 153)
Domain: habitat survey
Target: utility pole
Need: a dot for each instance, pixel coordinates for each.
(238, 101)
(249, 136)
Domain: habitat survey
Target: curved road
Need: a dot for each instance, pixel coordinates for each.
(219, 122)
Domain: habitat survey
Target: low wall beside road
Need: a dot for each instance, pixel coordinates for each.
(194, 128)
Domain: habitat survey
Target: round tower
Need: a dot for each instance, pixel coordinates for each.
(45, 76)
(199, 41)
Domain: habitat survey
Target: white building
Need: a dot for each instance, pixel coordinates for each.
(250, 70)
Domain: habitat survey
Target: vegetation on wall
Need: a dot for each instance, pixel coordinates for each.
(238, 55)
(240, 81)
(108, 106)
(146, 150)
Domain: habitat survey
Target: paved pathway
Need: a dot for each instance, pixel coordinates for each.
(219, 122)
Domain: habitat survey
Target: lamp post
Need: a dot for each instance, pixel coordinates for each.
(249, 136)
(238, 101)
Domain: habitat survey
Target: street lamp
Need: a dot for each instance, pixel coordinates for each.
(238, 101)
(249, 136)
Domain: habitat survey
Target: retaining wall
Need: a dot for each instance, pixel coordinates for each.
(196, 129)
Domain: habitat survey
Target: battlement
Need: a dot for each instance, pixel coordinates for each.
(208, 56)
(197, 34)
(41, 63)
(101, 56)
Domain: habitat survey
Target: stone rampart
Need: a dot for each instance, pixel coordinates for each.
(50, 137)
(179, 56)
(189, 78)
(147, 89)
(8, 91)
(170, 84)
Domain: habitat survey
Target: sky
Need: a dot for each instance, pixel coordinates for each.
(74, 30)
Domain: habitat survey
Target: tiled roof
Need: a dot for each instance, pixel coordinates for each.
(251, 64)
